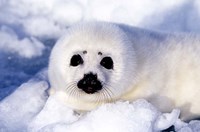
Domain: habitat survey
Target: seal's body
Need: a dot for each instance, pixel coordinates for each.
(96, 63)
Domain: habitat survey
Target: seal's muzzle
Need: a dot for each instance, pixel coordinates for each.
(90, 83)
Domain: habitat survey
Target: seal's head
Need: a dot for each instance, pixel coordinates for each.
(92, 62)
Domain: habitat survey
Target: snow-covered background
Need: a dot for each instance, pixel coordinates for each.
(28, 31)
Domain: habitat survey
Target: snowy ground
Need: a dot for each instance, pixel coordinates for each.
(28, 31)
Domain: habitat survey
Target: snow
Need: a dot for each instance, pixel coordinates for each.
(20, 107)
(29, 109)
(58, 111)
(50, 17)
(166, 120)
(193, 126)
(27, 47)
(28, 30)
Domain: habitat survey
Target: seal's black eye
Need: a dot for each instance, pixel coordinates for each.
(107, 63)
(76, 60)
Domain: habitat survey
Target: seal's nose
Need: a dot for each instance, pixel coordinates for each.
(90, 83)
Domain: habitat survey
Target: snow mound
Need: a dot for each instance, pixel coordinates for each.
(28, 109)
(139, 116)
(18, 109)
(33, 20)
(49, 18)
(26, 47)
(53, 112)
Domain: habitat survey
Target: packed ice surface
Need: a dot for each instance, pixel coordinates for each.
(28, 30)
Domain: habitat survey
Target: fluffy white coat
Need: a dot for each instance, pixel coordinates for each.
(162, 68)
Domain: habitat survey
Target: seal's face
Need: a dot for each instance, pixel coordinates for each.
(90, 73)
(91, 63)
(90, 83)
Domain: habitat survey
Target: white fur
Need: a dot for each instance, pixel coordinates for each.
(162, 68)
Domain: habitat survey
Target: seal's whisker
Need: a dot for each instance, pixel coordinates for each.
(107, 98)
(109, 91)
(108, 87)
(103, 95)
(98, 98)
(70, 88)
(71, 91)
(71, 83)
(108, 95)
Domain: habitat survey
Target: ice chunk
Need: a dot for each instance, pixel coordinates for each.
(54, 111)
(166, 120)
(18, 109)
(138, 116)
(193, 126)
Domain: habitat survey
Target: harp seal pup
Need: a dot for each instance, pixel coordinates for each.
(98, 62)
